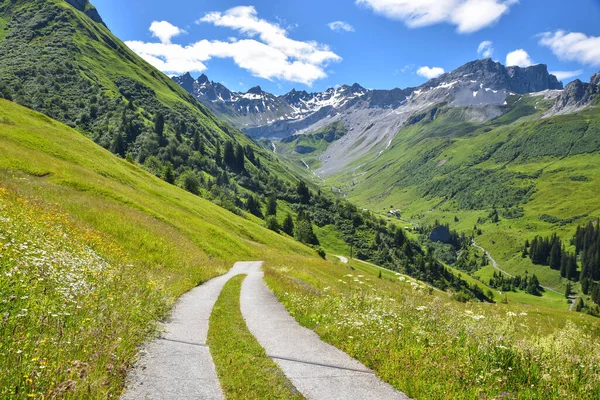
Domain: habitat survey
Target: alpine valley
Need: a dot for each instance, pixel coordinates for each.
(450, 227)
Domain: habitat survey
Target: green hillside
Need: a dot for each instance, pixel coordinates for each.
(65, 202)
(119, 192)
(67, 65)
(95, 250)
(539, 176)
(59, 61)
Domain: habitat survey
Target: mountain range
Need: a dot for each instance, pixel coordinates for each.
(371, 119)
(261, 114)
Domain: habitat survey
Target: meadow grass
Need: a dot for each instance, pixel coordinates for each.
(95, 251)
(244, 369)
(429, 346)
(134, 242)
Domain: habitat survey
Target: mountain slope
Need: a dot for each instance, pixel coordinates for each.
(96, 249)
(104, 248)
(538, 174)
(58, 60)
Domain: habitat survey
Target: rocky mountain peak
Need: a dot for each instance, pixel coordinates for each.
(88, 9)
(255, 90)
(496, 76)
(577, 94)
(202, 79)
(357, 88)
(186, 81)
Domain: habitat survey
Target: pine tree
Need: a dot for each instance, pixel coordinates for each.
(568, 290)
(253, 206)
(118, 145)
(250, 154)
(218, 156)
(229, 155)
(304, 232)
(288, 225)
(168, 174)
(271, 205)
(533, 287)
(159, 124)
(303, 192)
(195, 139)
(555, 256)
(239, 158)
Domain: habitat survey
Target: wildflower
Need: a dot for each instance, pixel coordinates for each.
(511, 314)
(421, 308)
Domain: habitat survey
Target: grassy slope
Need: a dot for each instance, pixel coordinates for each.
(73, 64)
(161, 239)
(405, 178)
(404, 331)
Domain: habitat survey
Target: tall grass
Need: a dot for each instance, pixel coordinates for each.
(72, 310)
(431, 347)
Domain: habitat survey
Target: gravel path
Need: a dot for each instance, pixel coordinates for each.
(317, 369)
(343, 259)
(178, 365)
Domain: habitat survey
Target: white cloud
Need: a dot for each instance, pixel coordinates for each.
(267, 52)
(518, 58)
(573, 46)
(165, 31)
(561, 75)
(244, 19)
(485, 49)
(430, 73)
(339, 26)
(468, 15)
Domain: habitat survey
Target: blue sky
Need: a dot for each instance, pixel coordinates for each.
(380, 44)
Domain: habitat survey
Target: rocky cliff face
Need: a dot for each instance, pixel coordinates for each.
(496, 76)
(577, 95)
(88, 9)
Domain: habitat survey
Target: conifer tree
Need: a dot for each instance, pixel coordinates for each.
(288, 225)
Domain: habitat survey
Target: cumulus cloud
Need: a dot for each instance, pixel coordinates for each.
(165, 31)
(573, 46)
(561, 75)
(266, 51)
(430, 73)
(340, 26)
(468, 15)
(485, 49)
(518, 58)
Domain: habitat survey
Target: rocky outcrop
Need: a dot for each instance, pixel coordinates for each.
(496, 76)
(577, 95)
(88, 9)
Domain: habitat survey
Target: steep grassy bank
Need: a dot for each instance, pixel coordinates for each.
(94, 251)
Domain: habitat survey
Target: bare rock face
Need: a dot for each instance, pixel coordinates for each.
(496, 76)
(577, 95)
(88, 9)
